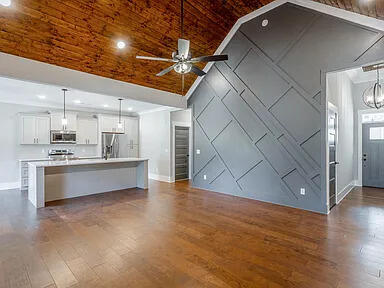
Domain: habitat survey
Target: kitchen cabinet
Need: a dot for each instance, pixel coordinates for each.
(87, 131)
(132, 130)
(35, 129)
(133, 151)
(56, 118)
(109, 124)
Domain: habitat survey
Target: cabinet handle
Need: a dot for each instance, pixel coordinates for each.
(37, 140)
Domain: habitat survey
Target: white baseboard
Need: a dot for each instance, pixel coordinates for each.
(159, 177)
(343, 193)
(10, 185)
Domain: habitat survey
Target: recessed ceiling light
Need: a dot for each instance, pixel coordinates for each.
(105, 105)
(77, 102)
(130, 109)
(265, 23)
(6, 3)
(121, 44)
(41, 96)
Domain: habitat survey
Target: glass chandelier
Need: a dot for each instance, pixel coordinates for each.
(373, 97)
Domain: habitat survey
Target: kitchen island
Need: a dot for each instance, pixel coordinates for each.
(54, 180)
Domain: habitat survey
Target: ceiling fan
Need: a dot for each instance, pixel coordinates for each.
(182, 58)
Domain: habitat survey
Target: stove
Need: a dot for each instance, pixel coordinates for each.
(61, 154)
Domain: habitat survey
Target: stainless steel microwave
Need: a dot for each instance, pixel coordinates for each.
(63, 137)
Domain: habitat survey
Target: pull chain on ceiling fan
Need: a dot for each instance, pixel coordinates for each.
(182, 58)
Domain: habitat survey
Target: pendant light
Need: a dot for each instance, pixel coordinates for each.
(64, 120)
(373, 97)
(120, 124)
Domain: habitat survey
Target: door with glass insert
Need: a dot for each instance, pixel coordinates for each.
(373, 155)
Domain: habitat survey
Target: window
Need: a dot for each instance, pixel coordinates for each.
(372, 118)
(376, 133)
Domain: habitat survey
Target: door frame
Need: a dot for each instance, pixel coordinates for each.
(334, 109)
(360, 114)
(181, 124)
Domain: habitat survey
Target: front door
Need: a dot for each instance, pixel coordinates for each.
(373, 155)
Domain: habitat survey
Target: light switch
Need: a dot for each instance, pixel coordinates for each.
(205, 177)
(302, 191)
(198, 151)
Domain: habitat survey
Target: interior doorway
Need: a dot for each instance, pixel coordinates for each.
(332, 153)
(181, 153)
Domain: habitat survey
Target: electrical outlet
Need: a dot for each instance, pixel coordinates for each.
(205, 177)
(198, 151)
(302, 191)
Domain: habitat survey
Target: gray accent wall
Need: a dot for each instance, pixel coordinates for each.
(258, 118)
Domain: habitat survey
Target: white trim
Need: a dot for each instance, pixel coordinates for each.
(9, 185)
(158, 177)
(363, 20)
(345, 191)
(159, 109)
(182, 124)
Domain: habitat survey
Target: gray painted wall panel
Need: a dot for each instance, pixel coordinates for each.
(265, 83)
(213, 169)
(202, 144)
(312, 147)
(275, 154)
(218, 83)
(297, 116)
(202, 97)
(320, 47)
(311, 199)
(236, 150)
(237, 47)
(285, 24)
(262, 183)
(225, 184)
(273, 143)
(214, 118)
(247, 119)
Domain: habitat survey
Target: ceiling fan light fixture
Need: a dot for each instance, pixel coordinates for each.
(183, 68)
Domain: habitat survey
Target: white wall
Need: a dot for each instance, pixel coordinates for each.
(155, 143)
(10, 149)
(340, 93)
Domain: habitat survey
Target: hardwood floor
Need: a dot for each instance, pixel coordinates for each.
(176, 236)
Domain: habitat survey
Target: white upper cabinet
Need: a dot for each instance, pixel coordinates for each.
(35, 129)
(132, 130)
(109, 124)
(56, 118)
(87, 131)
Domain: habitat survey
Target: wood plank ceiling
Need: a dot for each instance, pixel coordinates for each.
(82, 34)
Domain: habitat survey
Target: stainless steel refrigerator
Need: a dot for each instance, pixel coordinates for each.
(114, 145)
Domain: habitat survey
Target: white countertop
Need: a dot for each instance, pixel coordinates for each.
(50, 159)
(84, 162)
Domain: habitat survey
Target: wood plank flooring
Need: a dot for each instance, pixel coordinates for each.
(177, 236)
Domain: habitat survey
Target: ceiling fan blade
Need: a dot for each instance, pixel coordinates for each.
(183, 48)
(210, 58)
(165, 71)
(197, 71)
(154, 58)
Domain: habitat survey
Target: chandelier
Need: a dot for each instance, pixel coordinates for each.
(373, 97)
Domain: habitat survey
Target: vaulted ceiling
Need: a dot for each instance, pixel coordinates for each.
(82, 34)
